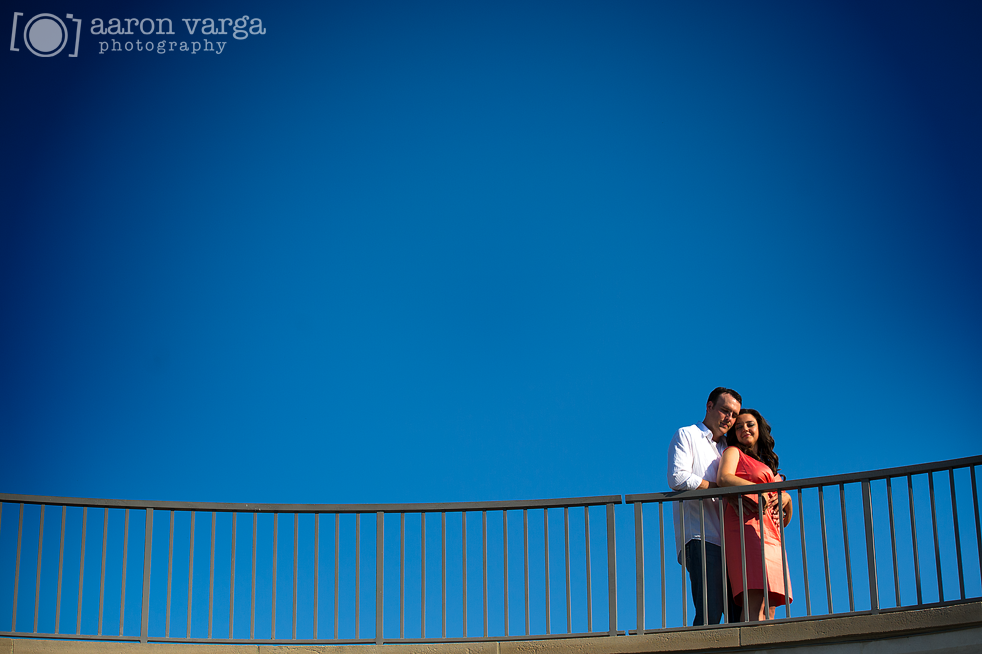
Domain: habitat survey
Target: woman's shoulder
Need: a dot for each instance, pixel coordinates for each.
(732, 454)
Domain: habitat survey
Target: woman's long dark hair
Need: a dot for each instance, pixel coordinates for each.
(765, 442)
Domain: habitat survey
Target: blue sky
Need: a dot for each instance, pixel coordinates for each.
(447, 251)
(441, 251)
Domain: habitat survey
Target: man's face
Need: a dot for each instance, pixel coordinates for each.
(721, 416)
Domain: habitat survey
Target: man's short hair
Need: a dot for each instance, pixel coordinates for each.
(719, 391)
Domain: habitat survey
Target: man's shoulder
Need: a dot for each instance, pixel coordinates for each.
(689, 434)
(691, 431)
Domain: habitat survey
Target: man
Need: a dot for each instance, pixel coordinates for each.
(693, 457)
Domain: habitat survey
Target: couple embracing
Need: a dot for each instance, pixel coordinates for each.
(732, 446)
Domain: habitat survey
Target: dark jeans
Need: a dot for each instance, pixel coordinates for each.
(715, 593)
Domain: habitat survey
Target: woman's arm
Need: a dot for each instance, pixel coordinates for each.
(727, 469)
(727, 477)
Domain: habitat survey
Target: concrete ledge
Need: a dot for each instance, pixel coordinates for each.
(955, 629)
(669, 641)
(867, 627)
(395, 648)
(39, 646)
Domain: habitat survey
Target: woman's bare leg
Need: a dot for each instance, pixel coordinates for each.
(755, 605)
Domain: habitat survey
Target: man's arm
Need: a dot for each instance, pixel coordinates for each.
(680, 462)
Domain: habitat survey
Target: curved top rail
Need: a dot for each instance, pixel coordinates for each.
(812, 482)
(500, 505)
(432, 507)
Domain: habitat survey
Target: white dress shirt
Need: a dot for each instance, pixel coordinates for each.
(693, 457)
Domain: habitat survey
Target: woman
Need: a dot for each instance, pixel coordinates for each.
(749, 460)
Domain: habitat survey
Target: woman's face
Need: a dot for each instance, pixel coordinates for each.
(746, 430)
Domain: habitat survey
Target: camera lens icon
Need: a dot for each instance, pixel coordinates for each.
(45, 35)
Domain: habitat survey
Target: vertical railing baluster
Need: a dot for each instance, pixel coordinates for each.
(934, 527)
(337, 543)
(102, 573)
(545, 534)
(589, 576)
(357, 575)
(422, 577)
(893, 541)
(784, 555)
(379, 578)
(443, 574)
(211, 574)
(81, 572)
(569, 606)
(978, 522)
(743, 559)
(296, 533)
(61, 561)
(702, 546)
(504, 537)
(639, 566)
(722, 557)
(190, 572)
(463, 554)
(317, 561)
(611, 572)
(122, 593)
(845, 544)
(685, 564)
(525, 552)
(145, 591)
(825, 548)
(913, 538)
(804, 552)
(402, 575)
(761, 516)
(170, 568)
(276, 538)
(484, 567)
(37, 568)
(231, 585)
(252, 593)
(20, 531)
(874, 591)
(661, 560)
(958, 541)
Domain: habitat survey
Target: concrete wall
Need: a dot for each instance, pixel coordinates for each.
(953, 629)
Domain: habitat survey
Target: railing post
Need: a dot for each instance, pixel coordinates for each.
(147, 542)
(611, 572)
(639, 562)
(379, 550)
(874, 596)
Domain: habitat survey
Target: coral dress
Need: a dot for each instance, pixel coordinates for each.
(754, 471)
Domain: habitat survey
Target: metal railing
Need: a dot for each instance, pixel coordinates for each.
(326, 606)
(905, 564)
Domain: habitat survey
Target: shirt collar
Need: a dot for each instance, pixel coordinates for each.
(709, 435)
